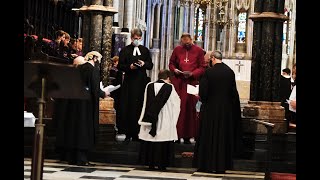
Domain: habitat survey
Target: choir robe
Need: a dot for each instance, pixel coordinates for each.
(160, 112)
(220, 133)
(132, 89)
(188, 122)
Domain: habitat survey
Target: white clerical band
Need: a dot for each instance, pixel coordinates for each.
(135, 51)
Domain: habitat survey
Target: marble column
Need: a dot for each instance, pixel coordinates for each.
(97, 31)
(191, 25)
(267, 50)
(128, 18)
(181, 20)
(232, 31)
(106, 44)
(207, 28)
(156, 35)
(249, 34)
(164, 32)
(148, 36)
(170, 36)
(152, 23)
(186, 18)
(264, 101)
(292, 43)
(213, 37)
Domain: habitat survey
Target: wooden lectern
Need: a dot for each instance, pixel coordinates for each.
(42, 79)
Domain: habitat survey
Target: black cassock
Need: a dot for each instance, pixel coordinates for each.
(220, 134)
(132, 90)
(78, 120)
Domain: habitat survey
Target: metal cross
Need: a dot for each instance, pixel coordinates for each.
(239, 66)
(186, 60)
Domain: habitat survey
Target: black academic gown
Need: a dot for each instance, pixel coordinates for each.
(219, 137)
(80, 118)
(132, 90)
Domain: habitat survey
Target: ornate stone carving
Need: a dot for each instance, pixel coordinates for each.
(243, 4)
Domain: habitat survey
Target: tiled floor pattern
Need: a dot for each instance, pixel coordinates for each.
(59, 171)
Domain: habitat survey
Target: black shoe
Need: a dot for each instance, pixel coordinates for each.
(85, 164)
(186, 141)
(151, 168)
(220, 172)
(178, 141)
(162, 168)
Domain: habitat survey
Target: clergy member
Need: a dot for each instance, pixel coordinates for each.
(220, 119)
(187, 63)
(78, 119)
(158, 122)
(134, 60)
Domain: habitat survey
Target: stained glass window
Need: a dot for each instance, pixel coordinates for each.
(242, 26)
(200, 25)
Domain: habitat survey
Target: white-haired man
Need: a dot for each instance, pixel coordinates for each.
(80, 117)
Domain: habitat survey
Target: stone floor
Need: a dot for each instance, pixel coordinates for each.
(56, 170)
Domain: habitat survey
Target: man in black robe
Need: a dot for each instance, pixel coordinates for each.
(78, 119)
(134, 60)
(219, 137)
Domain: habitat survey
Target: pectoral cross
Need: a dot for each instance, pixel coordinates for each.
(186, 59)
(239, 66)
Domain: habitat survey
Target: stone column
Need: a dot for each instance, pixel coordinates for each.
(266, 63)
(191, 25)
(106, 44)
(164, 32)
(156, 39)
(292, 43)
(181, 17)
(186, 17)
(249, 34)
(267, 50)
(97, 31)
(149, 24)
(170, 36)
(152, 24)
(128, 18)
(206, 28)
(232, 31)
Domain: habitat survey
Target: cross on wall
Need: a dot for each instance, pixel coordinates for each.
(239, 66)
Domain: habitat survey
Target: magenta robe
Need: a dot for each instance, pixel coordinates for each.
(188, 124)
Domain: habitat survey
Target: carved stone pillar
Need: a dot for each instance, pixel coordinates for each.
(181, 16)
(191, 25)
(266, 64)
(152, 24)
(156, 39)
(97, 31)
(267, 50)
(207, 28)
(186, 17)
(170, 35)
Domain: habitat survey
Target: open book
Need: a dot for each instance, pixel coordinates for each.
(192, 89)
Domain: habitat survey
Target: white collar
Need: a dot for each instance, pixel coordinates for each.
(136, 50)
